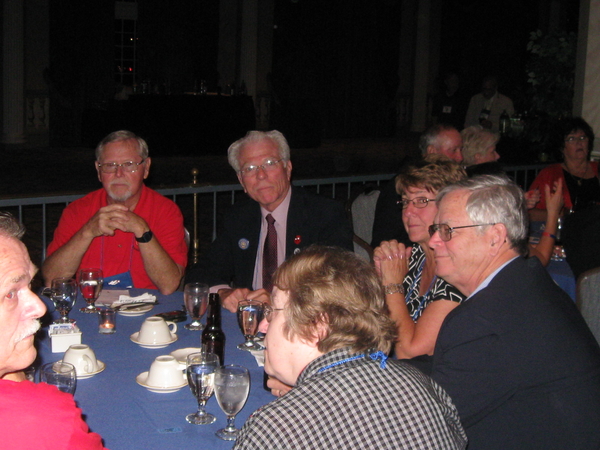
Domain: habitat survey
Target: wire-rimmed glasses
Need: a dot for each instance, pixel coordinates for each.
(127, 166)
(267, 166)
(446, 230)
(418, 202)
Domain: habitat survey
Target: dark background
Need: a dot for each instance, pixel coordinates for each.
(335, 62)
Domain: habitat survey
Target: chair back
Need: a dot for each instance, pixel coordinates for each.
(362, 214)
(588, 299)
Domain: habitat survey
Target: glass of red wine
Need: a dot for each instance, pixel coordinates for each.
(90, 284)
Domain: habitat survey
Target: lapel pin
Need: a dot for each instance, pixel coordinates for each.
(298, 240)
(243, 243)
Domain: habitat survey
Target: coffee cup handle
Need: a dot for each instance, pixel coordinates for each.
(89, 364)
(174, 329)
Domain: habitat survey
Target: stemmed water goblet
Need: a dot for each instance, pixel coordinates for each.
(249, 315)
(200, 370)
(90, 283)
(60, 374)
(232, 384)
(195, 296)
(63, 293)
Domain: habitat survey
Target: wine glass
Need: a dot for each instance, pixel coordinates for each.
(195, 296)
(90, 283)
(232, 384)
(60, 374)
(200, 370)
(63, 293)
(249, 314)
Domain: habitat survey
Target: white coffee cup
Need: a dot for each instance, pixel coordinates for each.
(155, 330)
(82, 357)
(165, 372)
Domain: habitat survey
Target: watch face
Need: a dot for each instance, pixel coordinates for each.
(146, 237)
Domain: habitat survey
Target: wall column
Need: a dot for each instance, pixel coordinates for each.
(586, 101)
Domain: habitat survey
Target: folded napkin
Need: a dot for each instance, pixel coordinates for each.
(125, 299)
(116, 297)
(259, 355)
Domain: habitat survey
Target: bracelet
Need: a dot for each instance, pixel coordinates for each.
(393, 288)
(545, 233)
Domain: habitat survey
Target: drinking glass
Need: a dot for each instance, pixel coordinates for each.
(232, 384)
(195, 296)
(60, 374)
(249, 314)
(200, 370)
(90, 283)
(63, 293)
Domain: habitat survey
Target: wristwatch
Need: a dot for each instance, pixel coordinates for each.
(146, 237)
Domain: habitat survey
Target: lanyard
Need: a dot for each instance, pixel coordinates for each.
(102, 253)
(374, 356)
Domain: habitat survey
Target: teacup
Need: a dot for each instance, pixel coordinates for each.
(155, 330)
(165, 372)
(82, 357)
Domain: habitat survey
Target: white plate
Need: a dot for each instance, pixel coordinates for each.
(136, 312)
(181, 354)
(83, 376)
(134, 338)
(141, 380)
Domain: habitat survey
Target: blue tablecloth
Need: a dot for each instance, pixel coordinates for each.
(562, 274)
(560, 271)
(130, 417)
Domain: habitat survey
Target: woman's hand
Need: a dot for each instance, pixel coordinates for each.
(391, 261)
(554, 198)
(532, 198)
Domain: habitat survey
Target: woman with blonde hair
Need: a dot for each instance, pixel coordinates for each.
(418, 300)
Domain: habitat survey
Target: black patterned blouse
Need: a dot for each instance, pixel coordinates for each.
(438, 290)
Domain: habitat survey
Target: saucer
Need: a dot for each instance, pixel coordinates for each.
(83, 376)
(181, 354)
(136, 312)
(134, 338)
(141, 380)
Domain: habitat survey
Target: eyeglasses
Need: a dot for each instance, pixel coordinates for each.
(571, 139)
(268, 312)
(127, 166)
(418, 202)
(267, 166)
(446, 230)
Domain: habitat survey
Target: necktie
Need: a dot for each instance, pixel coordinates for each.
(269, 254)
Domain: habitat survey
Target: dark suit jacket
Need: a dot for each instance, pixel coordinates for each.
(521, 365)
(312, 219)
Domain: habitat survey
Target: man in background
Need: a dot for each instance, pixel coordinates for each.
(276, 222)
(440, 139)
(131, 232)
(486, 107)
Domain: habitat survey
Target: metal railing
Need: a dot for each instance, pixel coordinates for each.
(40, 214)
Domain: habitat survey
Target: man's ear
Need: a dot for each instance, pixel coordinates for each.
(498, 236)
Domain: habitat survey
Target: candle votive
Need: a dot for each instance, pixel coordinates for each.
(107, 320)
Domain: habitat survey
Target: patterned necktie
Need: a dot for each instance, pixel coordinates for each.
(270, 254)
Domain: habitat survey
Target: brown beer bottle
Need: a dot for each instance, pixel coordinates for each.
(213, 337)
